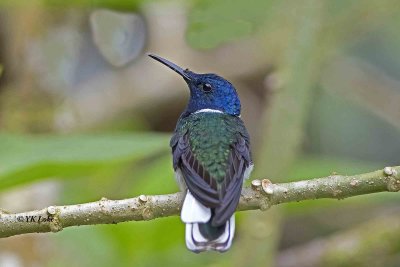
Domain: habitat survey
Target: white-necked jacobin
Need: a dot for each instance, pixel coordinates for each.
(211, 159)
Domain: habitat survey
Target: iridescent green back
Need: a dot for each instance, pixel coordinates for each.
(211, 136)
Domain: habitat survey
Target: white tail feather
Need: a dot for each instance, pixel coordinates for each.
(193, 211)
(196, 242)
(248, 171)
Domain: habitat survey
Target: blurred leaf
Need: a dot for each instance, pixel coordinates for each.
(212, 23)
(28, 158)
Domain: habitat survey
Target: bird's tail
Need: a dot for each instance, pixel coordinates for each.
(200, 234)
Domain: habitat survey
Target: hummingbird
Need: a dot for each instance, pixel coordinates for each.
(211, 158)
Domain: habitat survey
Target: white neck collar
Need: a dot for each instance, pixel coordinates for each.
(208, 110)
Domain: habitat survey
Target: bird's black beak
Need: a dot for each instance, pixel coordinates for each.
(172, 66)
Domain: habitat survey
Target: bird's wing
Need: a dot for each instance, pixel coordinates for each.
(197, 179)
(231, 187)
(220, 193)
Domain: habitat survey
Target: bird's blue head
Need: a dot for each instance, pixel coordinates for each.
(207, 91)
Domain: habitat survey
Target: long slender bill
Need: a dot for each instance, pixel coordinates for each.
(171, 65)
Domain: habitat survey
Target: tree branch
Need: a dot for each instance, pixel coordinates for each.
(261, 195)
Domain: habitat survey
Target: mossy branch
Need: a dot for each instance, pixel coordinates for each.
(261, 195)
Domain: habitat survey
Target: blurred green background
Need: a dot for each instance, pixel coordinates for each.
(85, 114)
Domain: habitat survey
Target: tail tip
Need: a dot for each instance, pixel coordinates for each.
(197, 242)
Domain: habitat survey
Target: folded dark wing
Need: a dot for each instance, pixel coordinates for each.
(230, 190)
(222, 196)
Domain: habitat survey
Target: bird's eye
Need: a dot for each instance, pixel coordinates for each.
(207, 87)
